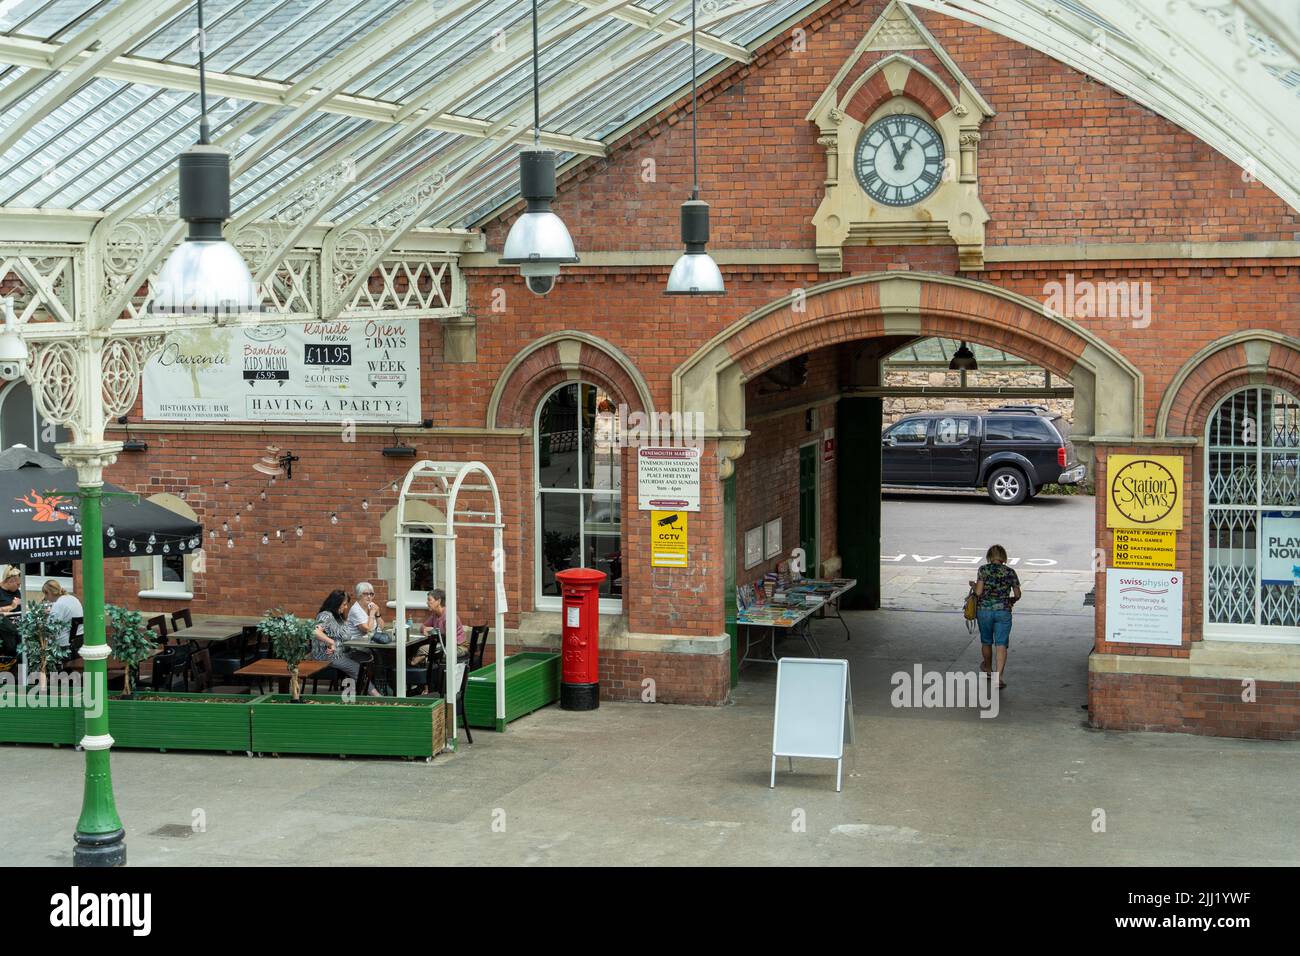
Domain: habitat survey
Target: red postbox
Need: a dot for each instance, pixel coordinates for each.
(580, 649)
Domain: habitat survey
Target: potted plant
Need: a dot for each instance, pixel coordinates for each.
(291, 638)
(131, 641)
(44, 653)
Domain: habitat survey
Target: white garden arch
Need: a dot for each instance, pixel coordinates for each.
(443, 482)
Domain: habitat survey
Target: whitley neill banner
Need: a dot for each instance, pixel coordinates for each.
(364, 371)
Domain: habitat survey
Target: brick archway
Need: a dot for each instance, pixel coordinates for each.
(1252, 357)
(1108, 387)
(555, 359)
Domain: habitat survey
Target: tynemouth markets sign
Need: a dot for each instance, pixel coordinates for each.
(363, 371)
(1144, 491)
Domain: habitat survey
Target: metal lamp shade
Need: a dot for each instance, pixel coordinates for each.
(538, 237)
(695, 273)
(205, 275)
(963, 360)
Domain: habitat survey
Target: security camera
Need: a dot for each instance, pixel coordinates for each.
(13, 350)
(541, 285)
(540, 276)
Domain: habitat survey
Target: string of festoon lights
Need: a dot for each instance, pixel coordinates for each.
(234, 524)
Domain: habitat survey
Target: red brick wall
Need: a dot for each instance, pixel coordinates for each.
(1193, 705)
(767, 475)
(1057, 163)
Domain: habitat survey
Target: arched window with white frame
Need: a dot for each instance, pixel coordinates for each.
(1252, 520)
(579, 491)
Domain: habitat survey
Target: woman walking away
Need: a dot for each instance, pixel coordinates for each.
(331, 632)
(997, 589)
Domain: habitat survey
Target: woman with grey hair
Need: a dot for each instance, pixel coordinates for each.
(363, 618)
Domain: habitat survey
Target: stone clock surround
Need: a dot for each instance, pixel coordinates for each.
(861, 94)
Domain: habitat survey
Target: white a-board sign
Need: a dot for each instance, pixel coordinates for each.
(814, 705)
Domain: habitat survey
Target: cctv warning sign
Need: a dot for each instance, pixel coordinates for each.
(668, 535)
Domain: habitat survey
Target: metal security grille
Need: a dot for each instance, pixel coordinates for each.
(1252, 473)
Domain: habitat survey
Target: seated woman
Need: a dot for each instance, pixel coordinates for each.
(363, 618)
(64, 606)
(331, 632)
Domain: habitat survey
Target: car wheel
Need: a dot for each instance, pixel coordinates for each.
(1007, 486)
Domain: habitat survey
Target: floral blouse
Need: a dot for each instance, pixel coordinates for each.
(998, 581)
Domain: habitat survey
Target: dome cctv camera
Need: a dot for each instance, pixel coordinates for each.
(540, 285)
(540, 276)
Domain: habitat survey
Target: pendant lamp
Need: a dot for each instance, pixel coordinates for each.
(963, 360)
(205, 273)
(695, 272)
(538, 242)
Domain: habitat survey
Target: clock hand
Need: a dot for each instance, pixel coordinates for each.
(894, 149)
(899, 156)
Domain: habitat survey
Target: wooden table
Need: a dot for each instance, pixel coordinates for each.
(275, 667)
(210, 631)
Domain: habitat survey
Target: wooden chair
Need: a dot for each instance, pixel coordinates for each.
(182, 615)
(232, 655)
(460, 703)
(201, 668)
(478, 636)
(159, 624)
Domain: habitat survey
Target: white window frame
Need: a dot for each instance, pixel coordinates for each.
(551, 602)
(34, 582)
(161, 590)
(1250, 633)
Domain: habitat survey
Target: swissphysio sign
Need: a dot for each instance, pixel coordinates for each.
(347, 370)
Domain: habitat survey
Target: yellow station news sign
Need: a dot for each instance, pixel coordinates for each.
(668, 536)
(1145, 548)
(1144, 491)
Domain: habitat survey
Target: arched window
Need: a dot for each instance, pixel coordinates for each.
(1252, 521)
(579, 491)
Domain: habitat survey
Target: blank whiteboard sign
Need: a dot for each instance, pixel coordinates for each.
(813, 708)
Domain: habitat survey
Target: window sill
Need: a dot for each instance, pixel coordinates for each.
(167, 595)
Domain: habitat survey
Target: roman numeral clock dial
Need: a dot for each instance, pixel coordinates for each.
(899, 160)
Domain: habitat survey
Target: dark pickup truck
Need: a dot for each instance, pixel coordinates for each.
(1012, 451)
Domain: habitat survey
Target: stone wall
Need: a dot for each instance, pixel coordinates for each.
(896, 408)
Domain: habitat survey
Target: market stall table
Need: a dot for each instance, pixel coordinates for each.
(828, 591)
(767, 620)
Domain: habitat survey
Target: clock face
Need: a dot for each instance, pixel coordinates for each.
(899, 160)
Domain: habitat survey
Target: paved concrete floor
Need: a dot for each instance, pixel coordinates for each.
(646, 784)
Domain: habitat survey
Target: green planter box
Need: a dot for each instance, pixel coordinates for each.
(168, 720)
(532, 682)
(56, 724)
(325, 725)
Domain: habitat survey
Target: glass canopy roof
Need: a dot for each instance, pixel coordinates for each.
(98, 97)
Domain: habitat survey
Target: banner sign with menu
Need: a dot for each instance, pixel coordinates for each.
(362, 371)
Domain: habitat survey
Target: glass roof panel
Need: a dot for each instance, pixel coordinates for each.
(49, 19)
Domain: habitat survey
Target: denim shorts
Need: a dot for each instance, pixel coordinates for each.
(995, 626)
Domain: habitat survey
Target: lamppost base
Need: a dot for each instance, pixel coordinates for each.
(99, 849)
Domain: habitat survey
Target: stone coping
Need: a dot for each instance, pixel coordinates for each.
(1228, 660)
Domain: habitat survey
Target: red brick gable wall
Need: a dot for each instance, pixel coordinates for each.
(1066, 159)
